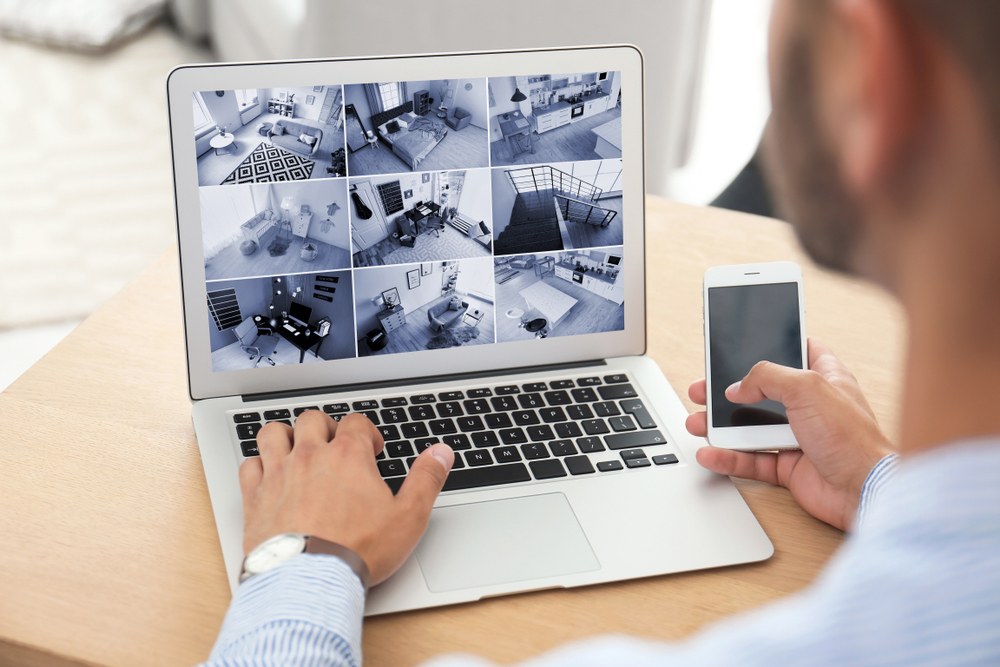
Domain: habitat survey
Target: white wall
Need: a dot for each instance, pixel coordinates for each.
(318, 195)
(253, 297)
(475, 101)
(476, 275)
(224, 208)
(370, 283)
(474, 202)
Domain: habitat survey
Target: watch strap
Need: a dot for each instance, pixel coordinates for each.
(317, 545)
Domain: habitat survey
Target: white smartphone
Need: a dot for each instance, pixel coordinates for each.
(753, 312)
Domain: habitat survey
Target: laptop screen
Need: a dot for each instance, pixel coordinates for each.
(395, 217)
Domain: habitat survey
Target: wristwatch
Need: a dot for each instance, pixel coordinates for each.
(274, 551)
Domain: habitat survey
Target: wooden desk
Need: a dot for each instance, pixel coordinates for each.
(110, 552)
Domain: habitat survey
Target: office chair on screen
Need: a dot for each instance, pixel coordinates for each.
(256, 346)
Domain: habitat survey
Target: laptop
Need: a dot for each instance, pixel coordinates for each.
(452, 245)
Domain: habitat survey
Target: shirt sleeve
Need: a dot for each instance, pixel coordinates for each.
(306, 612)
(874, 483)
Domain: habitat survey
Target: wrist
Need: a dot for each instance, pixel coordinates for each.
(279, 549)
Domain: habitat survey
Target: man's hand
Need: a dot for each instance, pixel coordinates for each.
(832, 422)
(321, 479)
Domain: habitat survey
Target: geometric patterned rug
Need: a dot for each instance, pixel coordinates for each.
(268, 163)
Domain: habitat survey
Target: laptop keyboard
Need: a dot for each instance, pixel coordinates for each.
(503, 433)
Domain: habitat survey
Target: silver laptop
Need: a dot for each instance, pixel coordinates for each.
(453, 246)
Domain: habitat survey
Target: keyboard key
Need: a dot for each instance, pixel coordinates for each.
(477, 406)
(421, 412)
(248, 431)
(424, 443)
(398, 450)
(335, 408)
(606, 409)
(552, 415)
(244, 417)
(540, 433)
(388, 432)
(509, 473)
(558, 398)
(506, 454)
(442, 426)
(584, 395)
(249, 448)
(358, 406)
(507, 389)
(634, 407)
(380, 456)
(568, 430)
(420, 399)
(483, 392)
(617, 391)
(338, 416)
(459, 463)
(393, 402)
(579, 412)
(277, 414)
(627, 454)
(449, 410)
(531, 401)
(590, 445)
(534, 387)
(478, 457)
(607, 466)
(562, 448)
(561, 384)
(624, 423)
(535, 450)
(394, 483)
(468, 424)
(391, 468)
(588, 382)
(578, 465)
(618, 378)
(503, 403)
(547, 469)
(457, 441)
(595, 426)
(299, 411)
(638, 463)
(525, 417)
(414, 430)
(286, 422)
(371, 415)
(484, 439)
(664, 459)
(513, 436)
(394, 415)
(451, 396)
(497, 421)
(634, 439)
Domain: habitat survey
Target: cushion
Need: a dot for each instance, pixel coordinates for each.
(278, 129)
(392, 127)
(307, 139)
(402, 123)
(455, 303)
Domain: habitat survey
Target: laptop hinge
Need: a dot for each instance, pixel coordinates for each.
(430, 379)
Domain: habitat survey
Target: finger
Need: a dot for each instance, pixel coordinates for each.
(817, 350)
(274, 443)
(313, 429)
(251, 472)
(423, 483)
(760, 466)
(767, 380)
(697, 424)
(698, 392)
(356, 433)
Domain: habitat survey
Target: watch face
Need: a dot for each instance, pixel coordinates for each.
(275, 551)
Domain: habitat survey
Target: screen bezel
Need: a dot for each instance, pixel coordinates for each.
(185, 80)
(772, 436)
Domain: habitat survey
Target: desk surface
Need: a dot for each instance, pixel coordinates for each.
(110, 552)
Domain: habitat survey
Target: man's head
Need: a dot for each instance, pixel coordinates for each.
(880, 109)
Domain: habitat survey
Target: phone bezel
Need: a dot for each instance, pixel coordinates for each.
(751, 438)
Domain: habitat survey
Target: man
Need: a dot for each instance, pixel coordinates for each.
(884, 151)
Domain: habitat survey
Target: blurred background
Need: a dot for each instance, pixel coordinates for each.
(86, 193)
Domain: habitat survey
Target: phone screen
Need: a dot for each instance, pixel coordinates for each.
(747, 324)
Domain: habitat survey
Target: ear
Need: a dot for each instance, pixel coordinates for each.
(878, 96)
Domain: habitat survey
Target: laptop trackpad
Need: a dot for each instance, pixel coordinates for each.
(503, 541)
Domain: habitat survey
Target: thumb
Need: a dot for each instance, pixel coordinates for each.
(768, 380)
(425, 479)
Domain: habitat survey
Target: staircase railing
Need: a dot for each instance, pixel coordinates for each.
(577, 210)
(537, 179)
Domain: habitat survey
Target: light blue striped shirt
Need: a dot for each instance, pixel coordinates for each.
(918, 583)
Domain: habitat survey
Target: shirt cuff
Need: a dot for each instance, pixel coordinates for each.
(314, 594)
(879, 475)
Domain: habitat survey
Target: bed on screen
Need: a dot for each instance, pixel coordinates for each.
(411, 137)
